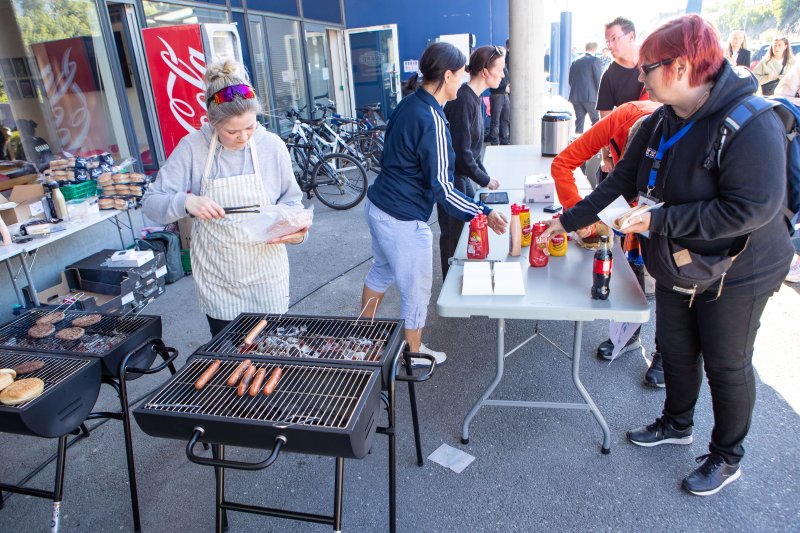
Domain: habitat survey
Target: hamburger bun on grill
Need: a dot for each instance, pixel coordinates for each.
(22, 391)
(5, 381)
(10, 371)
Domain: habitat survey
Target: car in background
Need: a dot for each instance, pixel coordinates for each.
(761, 53)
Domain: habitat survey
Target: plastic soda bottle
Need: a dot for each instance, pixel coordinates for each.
(601, 272)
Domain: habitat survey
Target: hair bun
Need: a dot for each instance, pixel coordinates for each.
(221, 70)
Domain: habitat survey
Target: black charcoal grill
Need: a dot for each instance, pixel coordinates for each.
(352, 342)
(124, 347)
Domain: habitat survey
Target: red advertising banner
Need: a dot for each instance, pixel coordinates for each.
(176, 63)
(75, 96)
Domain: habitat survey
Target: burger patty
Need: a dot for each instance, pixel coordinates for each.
(28, 367)
(70, 334)
(50, 318)
(40, 331)
(87, 320)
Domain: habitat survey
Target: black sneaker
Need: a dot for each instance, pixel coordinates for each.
(660, 432)
(655, 374)
(606, 347)
(712, 475)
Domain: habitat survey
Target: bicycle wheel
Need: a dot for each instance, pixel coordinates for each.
(369, 148)
(340, 181)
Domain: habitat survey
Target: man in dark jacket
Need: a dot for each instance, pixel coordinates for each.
(584, 79)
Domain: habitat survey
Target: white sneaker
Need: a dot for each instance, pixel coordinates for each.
(418, 362)
(794, 271)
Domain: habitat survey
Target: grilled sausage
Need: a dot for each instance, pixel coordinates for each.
(251, 337)
(246, 379)
(237, 374)
(274, 378)
(206, 376)
(258, 380)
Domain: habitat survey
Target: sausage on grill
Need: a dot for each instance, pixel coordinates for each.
(258, 380)
(251, 337)
(246, 379)
(274, 378)
(206, 376)
(234, 378)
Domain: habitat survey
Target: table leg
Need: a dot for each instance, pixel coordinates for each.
(130, 222)
(17, 290)
(31, 287)
(501, 352)
(576, 378)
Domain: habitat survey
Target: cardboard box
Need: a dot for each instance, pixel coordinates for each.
(185, 231)
(67, 291)
(540, 188)
(131, 258)
(29, 204)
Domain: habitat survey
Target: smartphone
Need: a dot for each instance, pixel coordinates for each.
(494, 197)
(552, 208)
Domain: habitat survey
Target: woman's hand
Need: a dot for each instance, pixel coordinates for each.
(553, 226)
(493, 184)
(497, 222)
(637, 224)
(293, 238)
(203, 207)
(607, 164)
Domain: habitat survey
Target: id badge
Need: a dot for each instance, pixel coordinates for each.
(646, 199)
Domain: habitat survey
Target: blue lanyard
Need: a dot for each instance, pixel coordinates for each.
(663, 147)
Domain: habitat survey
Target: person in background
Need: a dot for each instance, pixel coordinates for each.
(615, 130)
(606, 58)
(789, 86)
(500, 107)
(736, 52)
(584, 80)
(771, 69)
(416, 170)
(711, 211)
(486, 71)
(231, 161)
(410, 85)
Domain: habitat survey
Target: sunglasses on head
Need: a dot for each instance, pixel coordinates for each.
(228, 94)
(496, 52)
(647, 69)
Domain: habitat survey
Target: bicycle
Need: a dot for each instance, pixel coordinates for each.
(337, 179)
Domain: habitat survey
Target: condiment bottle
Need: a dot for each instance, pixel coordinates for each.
(558, 242)
(538, 253)
(514, 232)
(485, 232)
(601, 272)
(58, 201)
(525, 222)
(477, 243)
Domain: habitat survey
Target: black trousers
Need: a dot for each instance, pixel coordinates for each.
(450, 227)
(499, 128)
(717, 335)
(216, 325)
(581, 110)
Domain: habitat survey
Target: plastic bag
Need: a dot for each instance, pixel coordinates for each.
(275, 221)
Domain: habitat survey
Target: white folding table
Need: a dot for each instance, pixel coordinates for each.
(560, 292)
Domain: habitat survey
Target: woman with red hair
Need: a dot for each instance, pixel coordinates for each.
(710, 211)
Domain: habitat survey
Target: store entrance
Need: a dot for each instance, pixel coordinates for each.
(129, 52)
(375, 68)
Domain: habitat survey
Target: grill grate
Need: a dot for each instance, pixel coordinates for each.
(306, 337)
(306, 395)
(99, 338)
(56, 368)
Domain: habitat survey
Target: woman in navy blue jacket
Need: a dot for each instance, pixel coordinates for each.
(416, 171)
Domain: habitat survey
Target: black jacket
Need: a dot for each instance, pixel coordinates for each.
(584, 78)
(709, 210)
(466, 129)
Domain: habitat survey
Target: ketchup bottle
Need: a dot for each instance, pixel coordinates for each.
(478, 241)
(525, 222)
(538, 256)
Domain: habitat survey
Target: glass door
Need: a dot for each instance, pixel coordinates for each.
(320, 81)
(374, 64)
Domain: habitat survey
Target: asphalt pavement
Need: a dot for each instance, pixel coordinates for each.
(534, 469)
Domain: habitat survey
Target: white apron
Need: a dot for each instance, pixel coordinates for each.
(233, 273)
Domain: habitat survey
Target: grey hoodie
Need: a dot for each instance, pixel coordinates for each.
(165, 199)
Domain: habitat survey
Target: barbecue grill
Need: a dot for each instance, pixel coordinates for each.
(121, 348)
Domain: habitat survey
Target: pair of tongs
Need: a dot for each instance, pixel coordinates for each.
(239, 209)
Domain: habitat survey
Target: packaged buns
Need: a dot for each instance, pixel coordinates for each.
(120, 178)
(105, 178)
(136, 177)
(105, 203)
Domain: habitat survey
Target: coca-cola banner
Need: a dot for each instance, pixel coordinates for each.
(176, 63)
(70, 83)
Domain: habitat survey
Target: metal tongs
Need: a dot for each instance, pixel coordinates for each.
(239, 209)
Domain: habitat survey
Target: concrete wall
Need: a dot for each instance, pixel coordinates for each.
(420, 20)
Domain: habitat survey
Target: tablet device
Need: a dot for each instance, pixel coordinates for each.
(494, 197)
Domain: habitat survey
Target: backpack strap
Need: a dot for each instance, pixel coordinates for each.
(742, 113)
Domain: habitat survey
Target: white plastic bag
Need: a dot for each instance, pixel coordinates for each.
(275, 221)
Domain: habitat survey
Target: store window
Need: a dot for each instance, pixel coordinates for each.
(159, 14)
(319, 73)
(286, 66)
(57, 91)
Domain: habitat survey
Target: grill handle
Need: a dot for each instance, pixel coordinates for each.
(412, 378)
(280, 440)
(168, 354)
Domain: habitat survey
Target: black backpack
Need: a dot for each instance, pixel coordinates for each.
(169, 244)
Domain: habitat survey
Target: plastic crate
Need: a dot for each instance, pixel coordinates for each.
(80, 190)
(186, 261)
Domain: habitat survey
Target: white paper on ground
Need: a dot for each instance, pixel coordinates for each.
(617, 208)
(451, 458)
(508, 279)
(620, 333)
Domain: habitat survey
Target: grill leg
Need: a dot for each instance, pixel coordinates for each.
(412, 395)
(126, 427)
(58, 493)
(221, 519)
(392, 412)
(337, 495)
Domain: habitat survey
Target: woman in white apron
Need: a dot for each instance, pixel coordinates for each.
(231, 161)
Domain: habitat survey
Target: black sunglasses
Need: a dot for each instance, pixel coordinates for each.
(496, 52)
(647, 69)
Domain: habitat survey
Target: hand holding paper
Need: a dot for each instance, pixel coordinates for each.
(625, 219)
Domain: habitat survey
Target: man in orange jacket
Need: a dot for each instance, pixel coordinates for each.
(613, 131)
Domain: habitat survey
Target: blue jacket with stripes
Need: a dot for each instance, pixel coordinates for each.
(418, 164)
